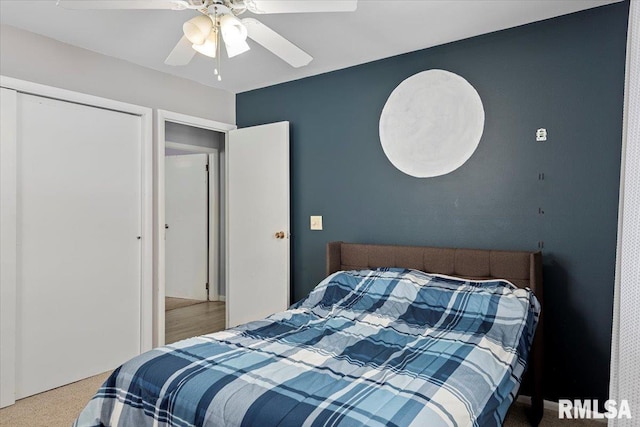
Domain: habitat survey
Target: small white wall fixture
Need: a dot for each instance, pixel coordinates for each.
(431, 124)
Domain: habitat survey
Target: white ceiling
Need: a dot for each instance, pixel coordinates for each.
(378, 29)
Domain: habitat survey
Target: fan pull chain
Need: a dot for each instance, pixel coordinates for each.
(218, 53)
(216, 28)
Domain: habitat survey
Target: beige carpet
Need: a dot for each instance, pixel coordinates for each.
(60, 407)
(57, 407)
(516, 417)
(171, 303)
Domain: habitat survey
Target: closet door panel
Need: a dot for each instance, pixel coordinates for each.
(78, 252)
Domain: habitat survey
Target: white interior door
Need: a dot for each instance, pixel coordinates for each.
(257, 209)
(187, 196)
(78, 222)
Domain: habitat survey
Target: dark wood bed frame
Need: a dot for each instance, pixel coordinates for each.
(523, 269)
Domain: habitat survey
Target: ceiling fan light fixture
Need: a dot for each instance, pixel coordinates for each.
(210, 45)
(198, 29)
(233, 31)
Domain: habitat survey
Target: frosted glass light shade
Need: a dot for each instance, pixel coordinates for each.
(233, 31)
(431, 124)
(197, 29)
(210, 45)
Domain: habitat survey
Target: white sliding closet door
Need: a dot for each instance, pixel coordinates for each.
(78, 286)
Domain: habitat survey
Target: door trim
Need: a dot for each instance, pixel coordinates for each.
(214, 225)
(8, 247)
(161, 117)
(8, 301)
(190, 148)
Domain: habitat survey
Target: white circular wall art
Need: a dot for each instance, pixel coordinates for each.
(431, 124)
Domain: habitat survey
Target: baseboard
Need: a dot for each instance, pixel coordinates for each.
(553, 406)
(222, 298)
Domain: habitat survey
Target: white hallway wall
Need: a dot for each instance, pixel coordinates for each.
(32, 57)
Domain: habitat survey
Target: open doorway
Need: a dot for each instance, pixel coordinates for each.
(162, 117)
(194, 207)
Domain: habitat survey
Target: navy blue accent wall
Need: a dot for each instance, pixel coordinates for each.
(565, 74)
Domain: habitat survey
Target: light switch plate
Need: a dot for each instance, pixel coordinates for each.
(316, 222)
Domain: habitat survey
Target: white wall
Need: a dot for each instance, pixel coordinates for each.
(28, 56)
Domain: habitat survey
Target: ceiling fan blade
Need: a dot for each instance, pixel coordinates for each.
(124, 4)
(301, 6)
(277, 44)
(182, 54)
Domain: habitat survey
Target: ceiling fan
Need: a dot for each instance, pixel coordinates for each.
(218, 24)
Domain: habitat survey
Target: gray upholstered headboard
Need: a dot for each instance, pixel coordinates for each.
(523, 269)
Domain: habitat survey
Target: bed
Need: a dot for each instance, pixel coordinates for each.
(389, 338)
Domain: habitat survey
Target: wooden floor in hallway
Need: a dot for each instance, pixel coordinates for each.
(184, 319)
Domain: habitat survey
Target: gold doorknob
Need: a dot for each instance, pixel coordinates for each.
(280, 235)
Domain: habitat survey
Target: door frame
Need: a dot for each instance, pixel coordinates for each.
(191, 149)
(8, 170)
(213, 269)
(161, 117)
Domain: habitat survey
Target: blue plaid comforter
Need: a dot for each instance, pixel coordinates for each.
(386, 347)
